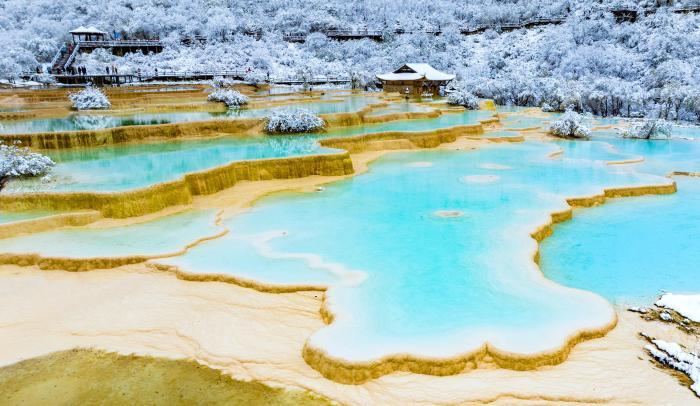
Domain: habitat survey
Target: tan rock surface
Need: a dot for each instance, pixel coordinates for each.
(253, 335)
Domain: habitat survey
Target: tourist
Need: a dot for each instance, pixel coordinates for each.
(107, 69)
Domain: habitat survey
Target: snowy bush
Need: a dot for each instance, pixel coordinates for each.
(289, 121)
(363, 80)
(649, 129)
(220, 81)
(232, 98)
(463, 98)
(18, 162)
(547, 108)
(255, 78)
(90, 99)
(570, 125)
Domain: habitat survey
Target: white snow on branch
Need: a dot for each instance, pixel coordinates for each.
(287, 121)
(570, 125)
(90, 99)
(649, 130)
(463, 98)
(232, 98)
(18, 162)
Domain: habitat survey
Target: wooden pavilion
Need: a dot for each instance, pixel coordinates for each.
(415, 79)
(87, 34)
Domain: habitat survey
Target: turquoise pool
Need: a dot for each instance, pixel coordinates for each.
(132, 166)
(164, 236)
(10, 217)
(444, 121)
(77, 122)
(631, 250)
(413, 250)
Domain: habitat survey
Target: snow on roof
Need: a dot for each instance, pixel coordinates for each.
(416, 71)
(87, 30)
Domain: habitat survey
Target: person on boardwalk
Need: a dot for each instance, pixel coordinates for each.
(107, 69)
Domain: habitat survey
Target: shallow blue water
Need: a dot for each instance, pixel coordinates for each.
(444, 121)
(9, 217)
(132, 166)
(630, 250)
(162, 236)
(434, 284)
(76, 122)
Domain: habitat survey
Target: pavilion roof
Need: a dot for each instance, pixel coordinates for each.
(87, 30)
(416, 71)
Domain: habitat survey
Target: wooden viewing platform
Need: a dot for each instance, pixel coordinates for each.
(64, 58)
(179, 76)
(512, 26)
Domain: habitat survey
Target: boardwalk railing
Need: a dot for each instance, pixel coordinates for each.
(509, 26)
(72, 56)
(121, 43)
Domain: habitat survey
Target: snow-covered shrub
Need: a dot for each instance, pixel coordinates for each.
(463, 98)
(255, 78)
(90, 99)
(18, 162)
(220, 81)
(649, 129)
(233, 98)
(363, 80)
(289, 121)
(570, 125)
(547, 108)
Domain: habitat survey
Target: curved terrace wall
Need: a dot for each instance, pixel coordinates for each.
(346, 372)
(157, 197)
(240, 126)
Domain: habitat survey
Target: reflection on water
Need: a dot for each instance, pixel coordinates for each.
(78, 122)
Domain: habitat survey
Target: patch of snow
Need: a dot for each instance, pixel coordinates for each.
(674, 356)
(636, 309)
(686, 305)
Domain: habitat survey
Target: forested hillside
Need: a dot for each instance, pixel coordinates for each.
(590, 60)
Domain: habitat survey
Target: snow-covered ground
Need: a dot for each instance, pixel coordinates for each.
(686, 305)
(676, 357)
(590, 61)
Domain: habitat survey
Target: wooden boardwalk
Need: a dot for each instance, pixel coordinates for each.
(181, 76)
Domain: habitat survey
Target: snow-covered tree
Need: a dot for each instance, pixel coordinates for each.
(255, 78)
(90, 98)
(649, 129)
(588, 61)
(464, 98)
(232, 98)
(570, 125)
(286, 121)
(19, 162)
